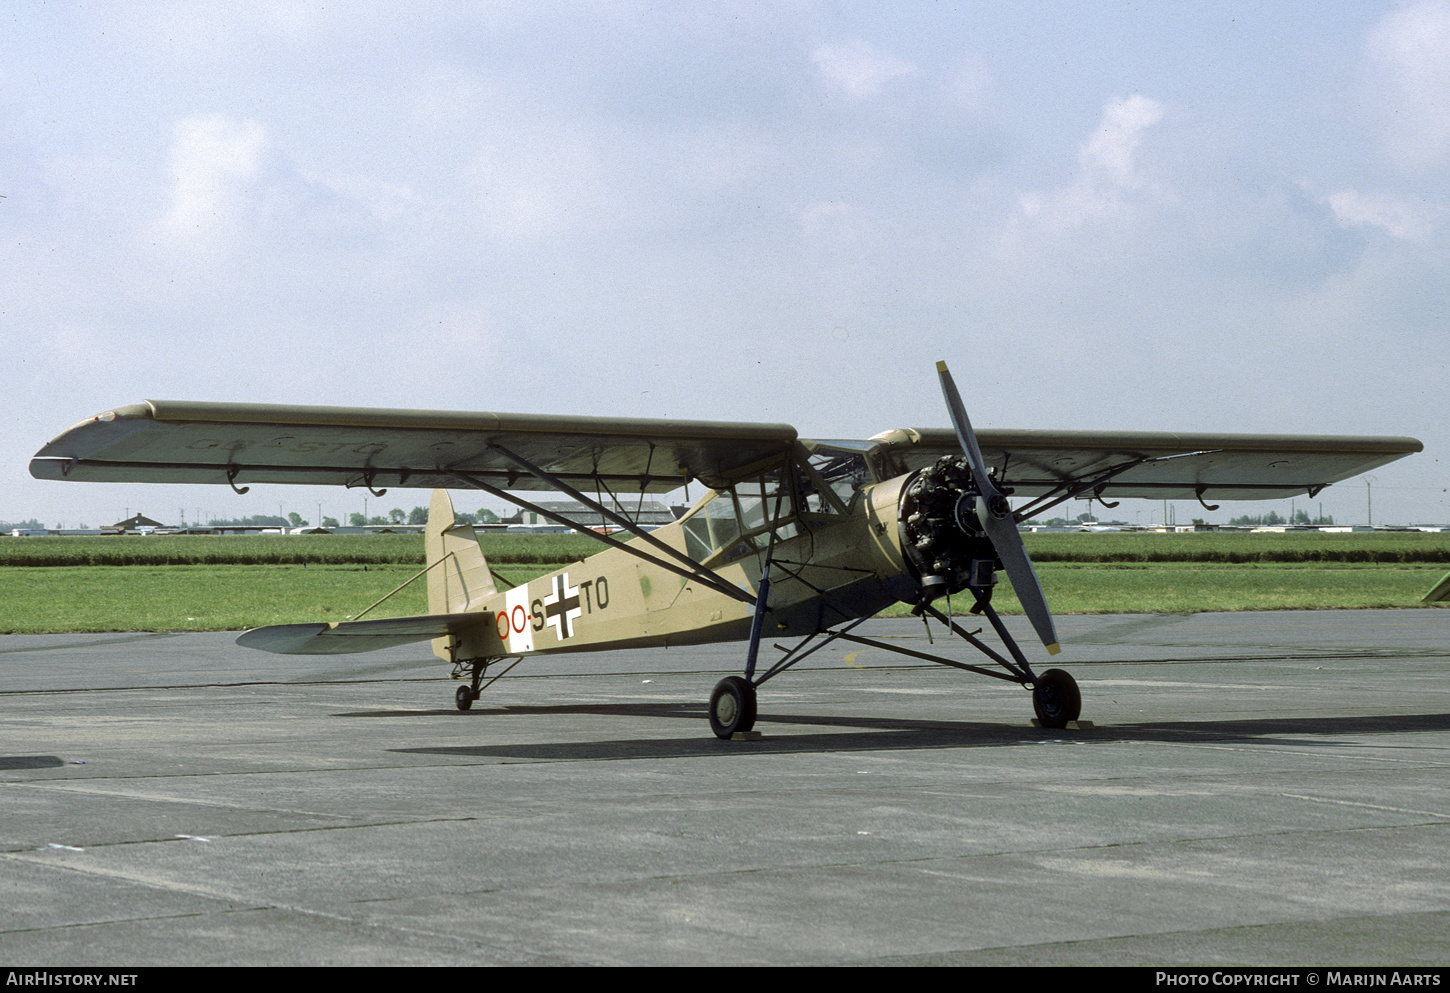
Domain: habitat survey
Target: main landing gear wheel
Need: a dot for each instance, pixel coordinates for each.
(1056, 699)
(732, 707)
(465, 697)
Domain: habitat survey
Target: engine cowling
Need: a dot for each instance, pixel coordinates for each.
(941, 538)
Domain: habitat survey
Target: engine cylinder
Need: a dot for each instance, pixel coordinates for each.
(941, 535)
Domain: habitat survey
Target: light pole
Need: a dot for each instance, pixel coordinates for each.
(1368, 501)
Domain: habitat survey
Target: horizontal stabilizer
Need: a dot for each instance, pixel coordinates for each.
(1440, 592)
(343, 637)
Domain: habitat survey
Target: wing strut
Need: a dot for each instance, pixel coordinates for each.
(597, 505)
(694, 574)
(1020, 672)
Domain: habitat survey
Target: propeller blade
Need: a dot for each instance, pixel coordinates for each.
(996, 518)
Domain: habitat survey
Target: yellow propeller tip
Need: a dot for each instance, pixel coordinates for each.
(1053, 648)
(941, 366)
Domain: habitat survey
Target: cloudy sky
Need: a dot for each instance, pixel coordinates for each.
(1217, 217)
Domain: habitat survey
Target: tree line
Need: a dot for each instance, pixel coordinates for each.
(1271, 518)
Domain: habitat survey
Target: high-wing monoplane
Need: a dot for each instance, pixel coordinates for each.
(798, 539)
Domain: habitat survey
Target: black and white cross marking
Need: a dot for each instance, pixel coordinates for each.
(562, 606)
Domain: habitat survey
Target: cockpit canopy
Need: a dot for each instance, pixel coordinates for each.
(780, 503)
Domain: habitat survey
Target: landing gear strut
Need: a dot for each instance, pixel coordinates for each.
(465, 695)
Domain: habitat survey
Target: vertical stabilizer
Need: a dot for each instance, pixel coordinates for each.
(462, 579)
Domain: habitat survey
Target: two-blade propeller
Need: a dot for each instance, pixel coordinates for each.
(996, 519)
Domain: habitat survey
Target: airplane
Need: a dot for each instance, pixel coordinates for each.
(800, 539)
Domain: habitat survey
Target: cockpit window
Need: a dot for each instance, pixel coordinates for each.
(843, 472)
(776, 505)
(712, 527)
(740, 521)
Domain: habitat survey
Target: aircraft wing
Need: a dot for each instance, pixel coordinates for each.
(185, 442)
(1158, 465)
(190, 442)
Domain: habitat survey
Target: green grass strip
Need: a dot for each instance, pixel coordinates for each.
(276, 549)
(233, 597)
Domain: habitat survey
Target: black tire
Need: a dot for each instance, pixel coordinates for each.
(732, 707)
(1056, 699)
(464, 697)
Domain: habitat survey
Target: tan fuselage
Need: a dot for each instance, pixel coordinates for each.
(839, 567)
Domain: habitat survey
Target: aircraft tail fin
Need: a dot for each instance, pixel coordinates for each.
(458, 574)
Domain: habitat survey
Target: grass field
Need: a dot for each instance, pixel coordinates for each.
(345, 549)
(203, 583)
(532, 549)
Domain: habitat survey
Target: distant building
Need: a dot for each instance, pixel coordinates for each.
(133, 524)
(649, 514)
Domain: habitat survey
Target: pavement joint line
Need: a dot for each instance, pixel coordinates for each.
(367, 921)
(30, 850)
(437, 677)
(1309, 655)
(465, 940)
(247, 907)
(270, 832)
(1369, 806)
(905, 791)
(106, 923)
(27, 855)
(1308, 750)
(908, 957)
(1116, 735)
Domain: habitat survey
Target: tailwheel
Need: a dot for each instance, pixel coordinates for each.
(1056, 699)
(732, 707)
(465, 697)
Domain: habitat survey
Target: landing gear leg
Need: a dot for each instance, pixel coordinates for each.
(732, 705)
(465, 695)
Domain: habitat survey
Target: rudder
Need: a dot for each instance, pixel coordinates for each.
(458, 574)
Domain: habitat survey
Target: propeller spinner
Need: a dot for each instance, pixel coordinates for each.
(995, 516)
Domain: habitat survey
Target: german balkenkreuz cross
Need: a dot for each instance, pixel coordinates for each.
(562, 606)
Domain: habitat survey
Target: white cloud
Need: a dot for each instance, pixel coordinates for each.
(1412, 48)
(858, 69)
(1107, 172)
(215, 163)
(1107, 155)
(1403, 220)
